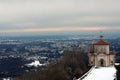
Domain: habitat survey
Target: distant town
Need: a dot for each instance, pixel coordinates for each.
(18, 52)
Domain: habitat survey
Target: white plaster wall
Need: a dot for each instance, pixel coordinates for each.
(106, 58)
(99, 57)
(91, 59)
(101, 48)
(112, 58)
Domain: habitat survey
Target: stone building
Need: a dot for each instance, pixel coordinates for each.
(100, 54)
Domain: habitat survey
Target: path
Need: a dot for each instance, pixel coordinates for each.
(102, 73)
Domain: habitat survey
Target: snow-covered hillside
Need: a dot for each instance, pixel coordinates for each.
(102, 73)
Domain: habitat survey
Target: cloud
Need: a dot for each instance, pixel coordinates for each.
(23, 15)
(62, 29)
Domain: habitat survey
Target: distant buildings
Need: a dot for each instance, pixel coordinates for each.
(100, 55)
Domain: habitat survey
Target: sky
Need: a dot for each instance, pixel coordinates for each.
(31, 17)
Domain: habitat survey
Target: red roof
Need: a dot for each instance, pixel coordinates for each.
(101, 42)
(112, 53)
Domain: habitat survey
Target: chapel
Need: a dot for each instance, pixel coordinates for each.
(100, 54)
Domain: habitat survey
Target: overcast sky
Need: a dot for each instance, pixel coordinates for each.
(52, 16)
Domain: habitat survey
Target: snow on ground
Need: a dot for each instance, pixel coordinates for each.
(101, 73)
(35, 63)
(6, 78)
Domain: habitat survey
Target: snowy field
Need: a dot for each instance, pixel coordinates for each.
(102, 73)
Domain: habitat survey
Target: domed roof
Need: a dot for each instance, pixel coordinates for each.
(101, 42)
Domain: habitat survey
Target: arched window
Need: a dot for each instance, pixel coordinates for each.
(111, 62)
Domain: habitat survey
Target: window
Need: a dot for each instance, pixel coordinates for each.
(111, 62)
